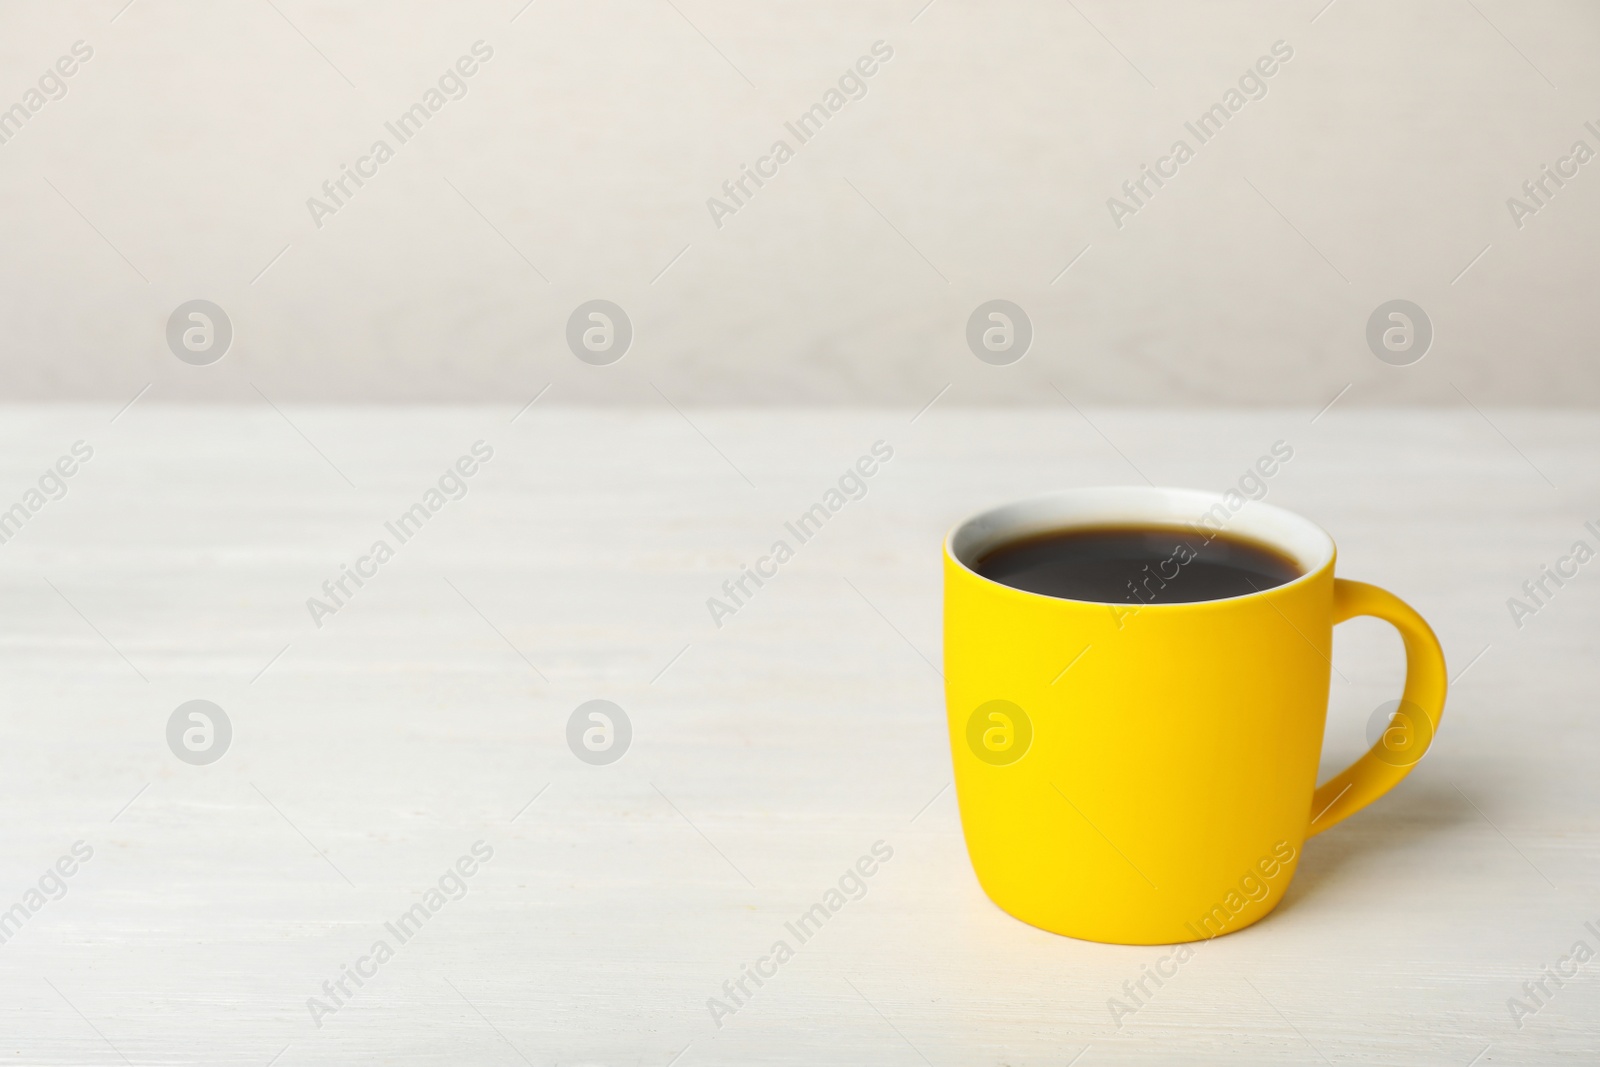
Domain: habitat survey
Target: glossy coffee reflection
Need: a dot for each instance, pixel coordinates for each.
(1136, 565)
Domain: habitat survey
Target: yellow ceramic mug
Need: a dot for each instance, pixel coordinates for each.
(1147, 774)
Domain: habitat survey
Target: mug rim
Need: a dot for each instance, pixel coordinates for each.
(1308, 544)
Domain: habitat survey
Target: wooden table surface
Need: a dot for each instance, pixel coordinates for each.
(427, 715)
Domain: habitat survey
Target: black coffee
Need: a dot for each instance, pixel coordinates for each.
(1137, 565)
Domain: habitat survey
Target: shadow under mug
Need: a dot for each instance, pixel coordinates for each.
(1146, 773)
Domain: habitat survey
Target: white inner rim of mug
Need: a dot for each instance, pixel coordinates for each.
(1302, 540)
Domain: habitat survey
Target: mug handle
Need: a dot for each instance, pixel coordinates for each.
(1371, 776)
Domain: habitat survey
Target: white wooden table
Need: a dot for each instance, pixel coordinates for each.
(425, 715)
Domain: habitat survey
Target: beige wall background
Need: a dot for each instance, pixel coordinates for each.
(977, 165)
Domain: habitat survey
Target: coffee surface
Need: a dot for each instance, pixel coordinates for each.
(1137, 565)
